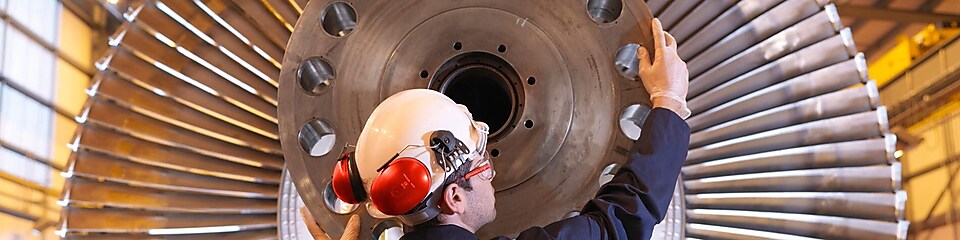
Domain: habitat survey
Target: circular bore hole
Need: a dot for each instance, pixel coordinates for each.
(502, 48)
(604, 11)
(485, 93)
(495, 153)
(632, 118)
(528, 123)
(531, 81)
(334, 204)
(487, 85)
(608, 172)
(626, 61)
(457, 46)
(315, 75)
(338, 19)
(387, 229)
(317, 138)
(424, 74)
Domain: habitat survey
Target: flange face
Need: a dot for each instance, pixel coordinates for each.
(544, 74)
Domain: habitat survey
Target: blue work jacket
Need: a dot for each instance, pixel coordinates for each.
(628, 206)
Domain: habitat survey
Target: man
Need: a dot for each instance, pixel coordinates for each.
(627, 207)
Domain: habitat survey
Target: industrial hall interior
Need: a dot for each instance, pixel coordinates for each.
(466, 119)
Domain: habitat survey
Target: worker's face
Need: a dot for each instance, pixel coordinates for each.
(482, 202)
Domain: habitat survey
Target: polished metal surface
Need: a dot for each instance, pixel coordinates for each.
(200, 104)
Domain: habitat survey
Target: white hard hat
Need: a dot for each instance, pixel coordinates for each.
(397, 153)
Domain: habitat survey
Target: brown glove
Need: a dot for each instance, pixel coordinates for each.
(350, 232)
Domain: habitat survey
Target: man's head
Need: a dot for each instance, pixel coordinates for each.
(468, 195)
(417, 150)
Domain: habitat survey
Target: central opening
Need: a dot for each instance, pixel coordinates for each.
(484, 92)
(487, 85)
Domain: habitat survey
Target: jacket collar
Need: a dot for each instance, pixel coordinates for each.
(439, 232)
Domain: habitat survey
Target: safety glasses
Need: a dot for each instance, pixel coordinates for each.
(484, 169)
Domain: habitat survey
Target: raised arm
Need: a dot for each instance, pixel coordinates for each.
(636, 199)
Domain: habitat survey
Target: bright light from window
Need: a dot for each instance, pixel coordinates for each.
(193, 230)
(176, 17)
(159, 92)
(248, 66)
(744, 232)
(217, 70)
(189, 80)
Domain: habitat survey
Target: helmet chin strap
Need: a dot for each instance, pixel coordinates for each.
(428, 209)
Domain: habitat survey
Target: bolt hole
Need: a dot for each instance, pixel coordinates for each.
(338, 19)
(317, 138)
(424, 74)
(315, 75)
(334, 204)
(502, 48)
(457, 46)
(632, 118)
(604, 11)
(528, 123)
(626, 61)
(495, 153)
(607, 174)
(531, 81)
(388, 229)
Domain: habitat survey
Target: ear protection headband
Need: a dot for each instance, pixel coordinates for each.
(402, 186)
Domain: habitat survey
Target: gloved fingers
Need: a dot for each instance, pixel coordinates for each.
(644, 57)
(312, 226)
(352, 230)
(659, 41)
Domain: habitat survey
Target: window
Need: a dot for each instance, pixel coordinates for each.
(45, 57)
(25, 123)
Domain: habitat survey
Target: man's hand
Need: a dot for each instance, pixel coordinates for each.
(665, 77)
(351, 232)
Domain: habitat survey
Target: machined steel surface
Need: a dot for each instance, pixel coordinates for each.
(578, 91)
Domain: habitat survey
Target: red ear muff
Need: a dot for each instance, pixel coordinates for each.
(400, 187)
(346, 181)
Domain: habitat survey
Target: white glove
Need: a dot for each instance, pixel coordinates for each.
(666, 77)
